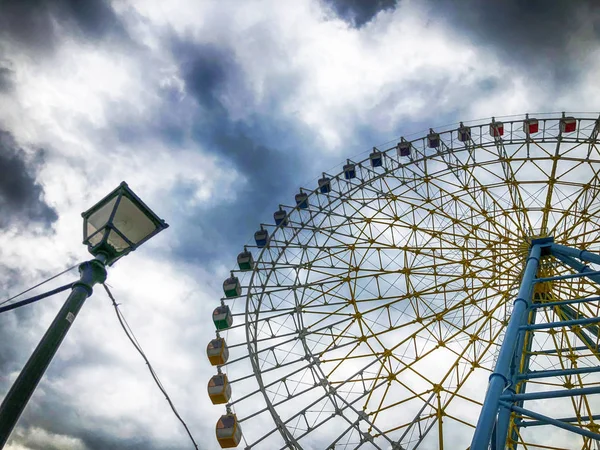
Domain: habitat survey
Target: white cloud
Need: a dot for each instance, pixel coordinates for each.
(35, 438)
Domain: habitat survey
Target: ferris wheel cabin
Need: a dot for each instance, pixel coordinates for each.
(349, 171)
(231, 287)
(403, 149)
(217, 352)
(228, 431)
(302, 200)
(433, 139)
(464, 133)
(568, 124)
(245, 261)
(531, 126)
(219, 389)
(376, 158)
(222, 317)
(325, 185)
(280, 217)
(261, 237)
(496, 129)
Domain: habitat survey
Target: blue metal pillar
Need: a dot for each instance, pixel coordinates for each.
(499, 379)
(504, 413)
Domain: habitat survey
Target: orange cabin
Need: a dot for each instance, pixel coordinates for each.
(217, 352)
(219, 389)
(228, 431)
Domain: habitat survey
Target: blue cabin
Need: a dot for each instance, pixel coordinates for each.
(302, 200)
(464, 133)
(325, 185)
(261, 237)
(403, 149)
(376, 158)
(280, 217)
(245, 261)
(433, 139)
(349, 171)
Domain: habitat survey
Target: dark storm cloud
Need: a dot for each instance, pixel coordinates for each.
(33, 24)
(359, 12)
(6, 80)
(264, 150)
(21, 196)
(547, 39)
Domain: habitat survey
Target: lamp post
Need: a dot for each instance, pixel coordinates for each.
(115, 226)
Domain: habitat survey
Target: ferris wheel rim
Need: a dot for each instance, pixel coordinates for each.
(250, 340)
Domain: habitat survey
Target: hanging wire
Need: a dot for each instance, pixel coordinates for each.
(131, 336)
(39, 284)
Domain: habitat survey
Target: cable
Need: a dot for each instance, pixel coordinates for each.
(35, 298)
(39, 284)
(136, 344)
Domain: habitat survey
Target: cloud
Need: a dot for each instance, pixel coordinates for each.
(21, 196)
(359, 12)
(35, 25)
(35, 438)
(549, 40)
(246, 142)
(6, 79)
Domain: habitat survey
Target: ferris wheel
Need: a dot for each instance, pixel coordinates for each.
(429, 296)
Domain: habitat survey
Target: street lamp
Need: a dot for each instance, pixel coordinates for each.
(118, 224)
(115, 226)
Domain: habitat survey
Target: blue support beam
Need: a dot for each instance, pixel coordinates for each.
(555, 422)
(588, 334)
(584, 255)
(499, 379)
(564, 350)
(551, 394)
(564, 323)
(578, 266)
(569, 276)
(537, 423)
(557, 372)
(564, 302)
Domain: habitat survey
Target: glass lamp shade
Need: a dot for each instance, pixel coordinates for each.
(118, 224)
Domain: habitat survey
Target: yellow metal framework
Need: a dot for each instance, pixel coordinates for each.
(373, 319)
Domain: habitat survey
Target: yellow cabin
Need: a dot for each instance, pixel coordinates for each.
(228, 431)
(219, 389)
(217, 352)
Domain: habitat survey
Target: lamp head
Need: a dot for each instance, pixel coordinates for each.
(118, 224)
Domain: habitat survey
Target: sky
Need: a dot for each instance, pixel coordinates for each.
(216, 112)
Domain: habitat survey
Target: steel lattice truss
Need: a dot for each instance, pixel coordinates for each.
(372, 320)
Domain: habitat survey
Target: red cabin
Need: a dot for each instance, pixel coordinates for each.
(496, 129)
(568, 124)
(531, 126)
